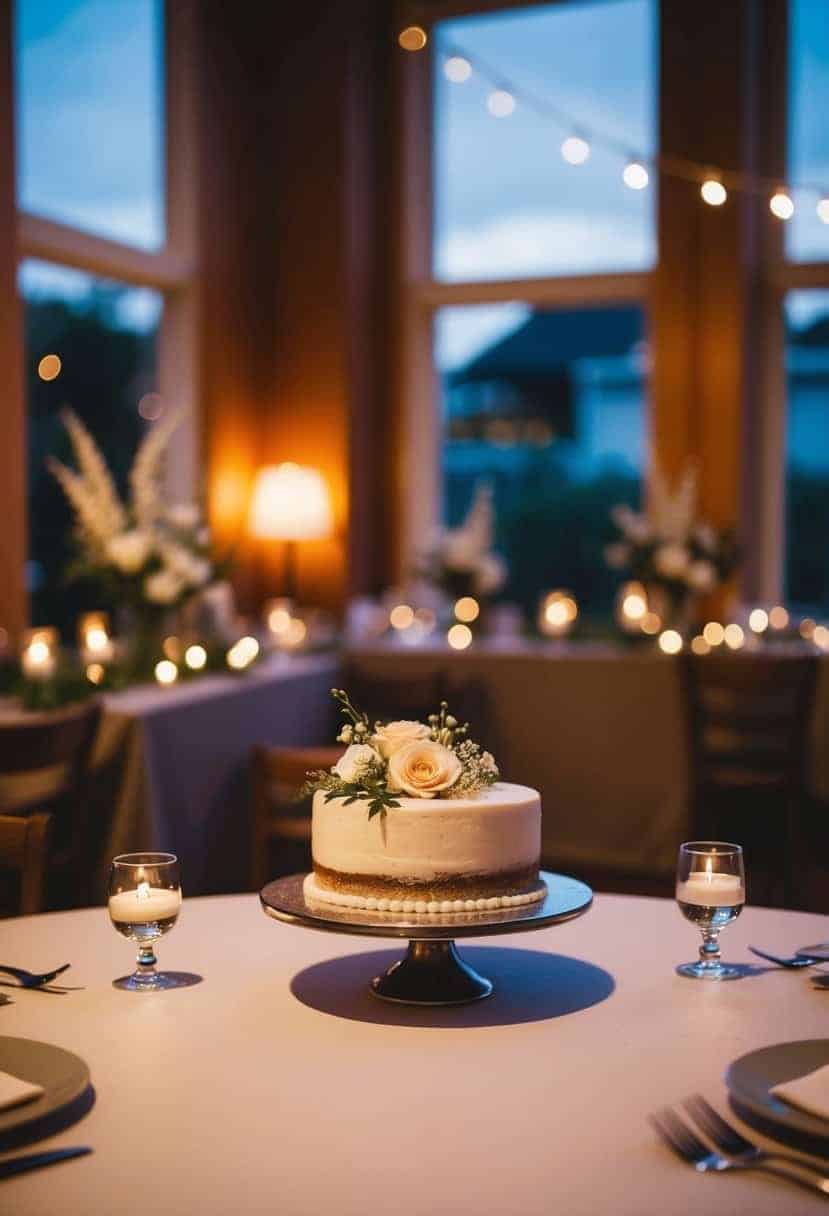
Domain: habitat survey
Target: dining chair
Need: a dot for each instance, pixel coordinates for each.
(44, 766)
(749, 717)
(281, 823)
(24, 858)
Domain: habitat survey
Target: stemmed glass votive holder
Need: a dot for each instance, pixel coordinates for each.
(711, 892)
(144, 904)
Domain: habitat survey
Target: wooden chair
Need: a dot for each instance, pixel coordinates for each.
(749, 717)
(44, 766)
(24, 856)
(281, 825)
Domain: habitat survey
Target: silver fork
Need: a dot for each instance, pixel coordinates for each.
(732, 1142)
(683, 1141)
(33, 979)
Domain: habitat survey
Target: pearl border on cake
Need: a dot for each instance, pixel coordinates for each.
(311, 890)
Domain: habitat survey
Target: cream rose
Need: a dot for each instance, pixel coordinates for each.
(129, 550)
(423, 769)
(394, 735)
(354, 761)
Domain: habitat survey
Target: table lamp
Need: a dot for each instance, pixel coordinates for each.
(290, 502)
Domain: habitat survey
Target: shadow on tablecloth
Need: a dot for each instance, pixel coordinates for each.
(530, 986)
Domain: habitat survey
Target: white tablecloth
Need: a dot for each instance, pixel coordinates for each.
(279, 1085)
(599, 730)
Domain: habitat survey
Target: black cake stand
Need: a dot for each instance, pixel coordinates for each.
(431, 972)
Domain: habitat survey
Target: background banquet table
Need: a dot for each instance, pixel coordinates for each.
(278, 1083)
(597, 728)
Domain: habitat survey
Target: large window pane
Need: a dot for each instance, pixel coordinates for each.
(90, 115)
(807, 237)
(807, 469)
(506, 203)
(548, 408)
(105, 337)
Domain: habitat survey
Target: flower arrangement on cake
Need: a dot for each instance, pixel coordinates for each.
(461, 561)
(669, 550)
(434, 759)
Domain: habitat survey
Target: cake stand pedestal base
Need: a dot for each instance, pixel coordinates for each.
(431, 973)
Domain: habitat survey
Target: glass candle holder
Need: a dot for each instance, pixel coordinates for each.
(94, 640)
(711, 892)
(144, 903)
(39, 653)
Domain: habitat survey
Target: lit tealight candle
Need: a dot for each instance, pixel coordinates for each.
(631, 607)
(93, 637)
(705, 889)
(144, 904)
(38, 658)
(557, 614)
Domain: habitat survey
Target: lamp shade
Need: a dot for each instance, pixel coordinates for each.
(290, 502)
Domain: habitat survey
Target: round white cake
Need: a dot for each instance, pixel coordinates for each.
(429, 855)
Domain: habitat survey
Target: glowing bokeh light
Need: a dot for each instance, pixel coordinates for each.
(713, 192)
(575, 150)
(758, 620)
(467, 609)
(459, 637)
(49, 367)
(635, 175)
(500, 103)
(412, 38)
(670, 642)
(166, 672)
(401, 616)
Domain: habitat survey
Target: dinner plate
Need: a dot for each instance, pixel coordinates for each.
(750, 1078)
(64, 1078)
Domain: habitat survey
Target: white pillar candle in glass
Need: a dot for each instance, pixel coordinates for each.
(144, 905)
(38, 657)
(710, 891)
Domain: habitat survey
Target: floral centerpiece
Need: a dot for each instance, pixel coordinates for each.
(434, 759)
(676, 556)
(147, 555)
(461, 560)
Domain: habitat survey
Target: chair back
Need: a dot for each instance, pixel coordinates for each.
(24, 856)
(749, 717)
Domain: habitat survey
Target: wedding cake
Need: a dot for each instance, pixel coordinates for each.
(413, 818)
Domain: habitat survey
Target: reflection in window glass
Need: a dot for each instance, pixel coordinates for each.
(547, 407)
(807, 237)
(91, 345)
(807, 469)
(506, 203)
(90, 115)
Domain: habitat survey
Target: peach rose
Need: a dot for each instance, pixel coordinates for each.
(394, 735)
(423, 769)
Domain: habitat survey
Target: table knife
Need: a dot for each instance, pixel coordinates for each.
(34, 1161)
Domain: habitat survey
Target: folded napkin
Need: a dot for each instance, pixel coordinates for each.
(13, 1091)
(809, 1093)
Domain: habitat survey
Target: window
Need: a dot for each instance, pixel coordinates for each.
(807, 236)
(528, 297)
(107, 372)
(107, 248)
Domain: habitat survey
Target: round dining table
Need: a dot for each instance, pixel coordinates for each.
(274, 1082)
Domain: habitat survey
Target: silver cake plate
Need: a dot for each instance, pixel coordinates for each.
(431, 972)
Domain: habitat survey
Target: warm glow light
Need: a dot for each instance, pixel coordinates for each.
(807, 628)
(49, 367)
(670, 642)
(714, 633)
(457, 69)
(557, 613)
(823, 210)
(459, 637)
(171, 647)
(778, 617)
(713, 192)
(401, 616)
(781, 205)
(39, 651)
(95, 673)
(575, 150)
(290, 502)
(412, 38)
(500, 103)
(295, 634)
(425, 620)
(166, 672)
(758, 620)
(635, 175)
(242, 653)
(699, 645)
(635, 605)
(467, 609)
(651, 623)
(195, 657)
(820, 637)
(96, 638)
(38, 656)
(278, 618)
(151, 407)
(734, 637)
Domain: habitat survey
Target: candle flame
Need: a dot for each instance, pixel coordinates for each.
(709, 866)
(142, 891)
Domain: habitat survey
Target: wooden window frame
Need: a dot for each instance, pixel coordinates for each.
(172, 270)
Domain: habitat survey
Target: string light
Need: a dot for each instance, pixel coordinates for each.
(459, 637)
(699, 645)
(635, 175)
(457, 69)
(401, 616)
(195, 657)
(758, 620)
(781, 205)
(670, 642)
(575, 150)
(651, 623)
(778, 617)
(713, 192)
(166, 672)
(714, 633)
(412, 38)
(500, 103)
(734, 637)
(467, 609)
(823, 210)
(49, 367)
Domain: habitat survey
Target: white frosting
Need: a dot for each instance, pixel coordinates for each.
(313, 891)
(497, 829)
